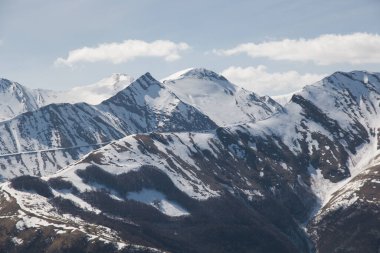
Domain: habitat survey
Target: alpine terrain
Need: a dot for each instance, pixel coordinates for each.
(192, 163)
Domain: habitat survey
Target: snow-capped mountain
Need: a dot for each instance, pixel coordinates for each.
(283, 99)
(224, 102)
(274, 185)
(48, 138)
(41, 141)
(16, 99)
(98, 92)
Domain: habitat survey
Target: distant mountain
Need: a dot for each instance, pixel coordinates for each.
(224, 102)
(16, 99)
(283, 99)
(98, 92)
(252, 187)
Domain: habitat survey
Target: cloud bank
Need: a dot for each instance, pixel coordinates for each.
(125, 51)
(259, 80)
(356, 48)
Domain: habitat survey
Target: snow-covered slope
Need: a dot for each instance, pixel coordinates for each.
(16, 99)
(44, 140)
(181, 186)
(349, 221)
(224, 102)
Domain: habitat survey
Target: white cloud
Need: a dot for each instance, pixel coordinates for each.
(356, 48)
(125, 51)
(259, 80)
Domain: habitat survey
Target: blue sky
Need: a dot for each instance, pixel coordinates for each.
(272, 46)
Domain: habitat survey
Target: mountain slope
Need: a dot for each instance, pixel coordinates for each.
(42, 141)
(349, 221)
(224, 102)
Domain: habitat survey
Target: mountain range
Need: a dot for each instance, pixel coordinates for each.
(191, 163)
(16, 98)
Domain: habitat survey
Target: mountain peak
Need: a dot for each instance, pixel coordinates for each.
(357, 75)
(11, 87)
(140, 86)
(195, 73)
(149, 76)
(203, 73)
(118, 77)
(147, 79)
(5, 84)
(354, 83)
(113, 81)
(357, 82)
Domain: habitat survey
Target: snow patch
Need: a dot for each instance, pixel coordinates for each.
(159, 201)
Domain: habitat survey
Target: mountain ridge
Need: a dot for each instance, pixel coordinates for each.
(137, 108)
(224, 102)
(233, 188)
(17, 98)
